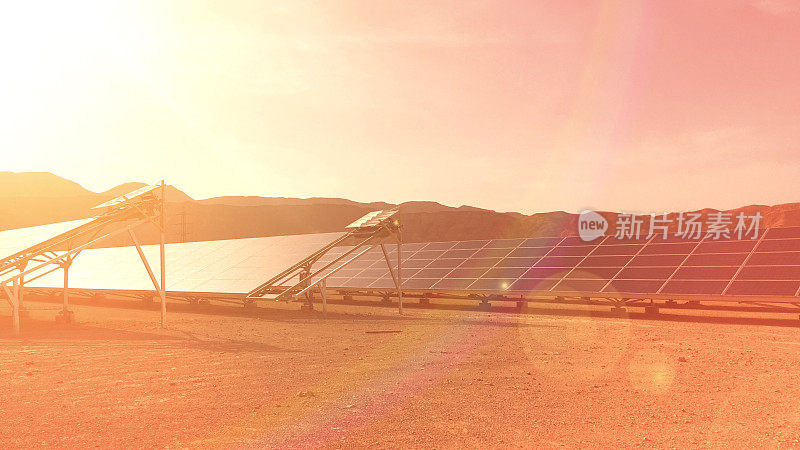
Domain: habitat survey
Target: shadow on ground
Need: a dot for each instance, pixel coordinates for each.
(47, 332)
(382, 311)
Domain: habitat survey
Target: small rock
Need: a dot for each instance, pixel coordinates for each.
(681, 359)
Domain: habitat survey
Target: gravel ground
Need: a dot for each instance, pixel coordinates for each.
(365, 377)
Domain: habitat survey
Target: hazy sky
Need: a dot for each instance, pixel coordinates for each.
(525, 105)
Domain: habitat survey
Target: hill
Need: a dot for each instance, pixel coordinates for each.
(29, 199)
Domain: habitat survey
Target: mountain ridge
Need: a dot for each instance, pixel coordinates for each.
(25, 204)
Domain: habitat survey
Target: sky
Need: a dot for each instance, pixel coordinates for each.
(522, 106)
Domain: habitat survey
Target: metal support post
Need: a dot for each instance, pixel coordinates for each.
(323, 287)
(399, 274)
(163, 291)
(12, 298)
(19, 291)
(65, 315)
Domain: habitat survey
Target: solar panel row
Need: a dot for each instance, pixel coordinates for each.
(768, 266)
(228, 266)
(13, 241)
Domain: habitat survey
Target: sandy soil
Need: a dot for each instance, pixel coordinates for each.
(364, 377)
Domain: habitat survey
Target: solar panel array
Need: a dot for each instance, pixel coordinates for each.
(768, 267)
(765, 267)
(231, 266)
(13, 241)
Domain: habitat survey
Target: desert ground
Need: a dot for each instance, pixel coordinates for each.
(365, 377)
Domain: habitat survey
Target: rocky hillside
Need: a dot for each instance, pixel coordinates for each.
(28, 199)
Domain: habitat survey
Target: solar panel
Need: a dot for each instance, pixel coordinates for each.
(769, 266)
(129, 196)
(16, 240)
(226, 267)
(373, 219)
(644, 268)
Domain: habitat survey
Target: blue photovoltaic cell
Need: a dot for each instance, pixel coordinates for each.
(416, 263)
(580, 285)
(374, 273)
(669, 249)
(431, 273)
(347, 272)
(769, 273)
(439, 246)
(571, 251)
(480, 262)
(504, 272)
(428, 254)
(645, 273)
(623, 266)
(779, 288)
(517, 262)
(613, 240)
(657, 260)
(593, 272)
(492, 284)
(467, 272)
(492, 253)
(784, 245)
(774, 259)
(705, 273)
(617, 250)
(559, 261)
(453, 283)
(545, 272)
(504, 243)
(604, 261)
(473, 245)
(694, 287)
(677, 239)
(761, 268)
(533, 285)
(419, 283)
(380, 283)
(726, 247)
(458, 254)
(634, 286)
(450, 263)
(362, 264)
(716, 259)
(778, 233)
(571, 241)
(540, 242)
(529, 252)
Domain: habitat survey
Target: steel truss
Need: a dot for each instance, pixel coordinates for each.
(368, 232)
(119, 215)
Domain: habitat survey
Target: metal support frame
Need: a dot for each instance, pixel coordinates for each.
(141, 206)
(19, 290)
(369, 230)
(323, 288)
(162, 252)
(396, 278)
(65, 315)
